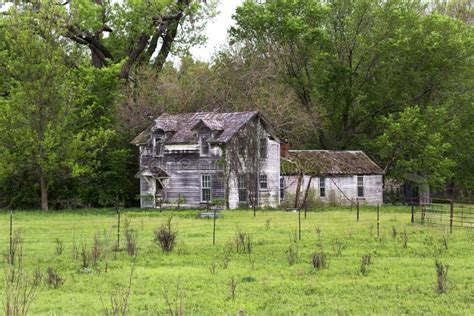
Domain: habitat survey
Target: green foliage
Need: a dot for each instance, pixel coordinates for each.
(416, 143)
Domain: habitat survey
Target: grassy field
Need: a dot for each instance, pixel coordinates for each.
(199, 278)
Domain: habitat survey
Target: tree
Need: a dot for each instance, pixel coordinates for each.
(353, 62)
(40, 118)
(416, 146)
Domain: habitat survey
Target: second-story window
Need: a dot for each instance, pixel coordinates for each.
(158, 147)
(204, 145)
(263, 147)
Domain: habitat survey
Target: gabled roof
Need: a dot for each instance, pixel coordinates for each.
(329, 162)
(179, 128)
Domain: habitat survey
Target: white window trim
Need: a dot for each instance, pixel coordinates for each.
(260, 182)
(363, 186)
(210, 188)
(322, 180)
(200, 148)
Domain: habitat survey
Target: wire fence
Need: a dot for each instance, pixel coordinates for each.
(76, 228)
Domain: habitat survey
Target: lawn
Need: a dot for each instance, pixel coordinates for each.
(198, 277)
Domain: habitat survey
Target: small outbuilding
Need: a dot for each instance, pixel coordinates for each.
(333, 177)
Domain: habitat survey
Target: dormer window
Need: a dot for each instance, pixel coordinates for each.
(204, 145)
(158, 137)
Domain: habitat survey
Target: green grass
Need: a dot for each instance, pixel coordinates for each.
(400, 280)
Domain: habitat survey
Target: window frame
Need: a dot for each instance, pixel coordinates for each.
(282, 188)
(242, 188)
(360, 186)
(263, 148)
(203, 142)
(206, 185)
(260, 182)
(322, 187)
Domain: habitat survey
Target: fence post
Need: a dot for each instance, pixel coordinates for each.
(378, 220)
(451, 214)
(118, 228)
(357, 206)
(412, 213)
(299, 223)
(305, 208)
(423, 213)
(179, 200)
(214, 229)
(11, 237)
(462, 215)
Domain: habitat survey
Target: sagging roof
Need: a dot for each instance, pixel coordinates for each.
(328, 162)
(179, 128)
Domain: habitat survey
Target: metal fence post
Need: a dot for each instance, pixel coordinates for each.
(378, 220)
(214, 229)
(10, 255)
(299, 223)
(451, 215)
(118, 228)
(412, 213)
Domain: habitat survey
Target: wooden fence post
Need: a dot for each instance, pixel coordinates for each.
(412, 213)
(179, 200)
(462, 215)
(357, 206)
(451, 215)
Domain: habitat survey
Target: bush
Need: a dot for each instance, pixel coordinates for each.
(131, 237)
(319, 260)
(53, 280)
(442, 277)
(165, 236)
(243, 242)
(292, 254)
(59, 247)
(365, 262)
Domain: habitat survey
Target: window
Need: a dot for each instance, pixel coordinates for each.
(360, 186)
(282, 188)
(242, 148)
(205, 187)
(263, 182)
(204, 145)
(263, 148)
(322, 186)
(242, 186)
(158, 147)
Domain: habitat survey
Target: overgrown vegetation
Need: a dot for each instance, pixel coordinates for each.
(165, 236)
(217, 279)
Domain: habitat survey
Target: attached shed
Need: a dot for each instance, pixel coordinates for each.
(337, 177)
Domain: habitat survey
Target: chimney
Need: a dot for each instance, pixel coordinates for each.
(284, 149)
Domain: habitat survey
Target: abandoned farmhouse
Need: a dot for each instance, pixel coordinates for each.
(234, 160)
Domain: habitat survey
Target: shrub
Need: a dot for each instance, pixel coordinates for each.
(337, 247)
(165, 236)
(365, 262)
(319, 260)
(59, 246)
(405, 239)
(442, 277)
(85, 257)
(131, 237)
(119, 298)
(232, 287)
(20, 288)
(53, 280)
(96, 249)
(243, 242)
(292, 254)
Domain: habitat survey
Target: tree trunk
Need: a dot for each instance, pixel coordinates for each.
(308, 186)
(298, 189)
(44, 194)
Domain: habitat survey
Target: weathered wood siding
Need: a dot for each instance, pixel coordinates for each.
(340, 189)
